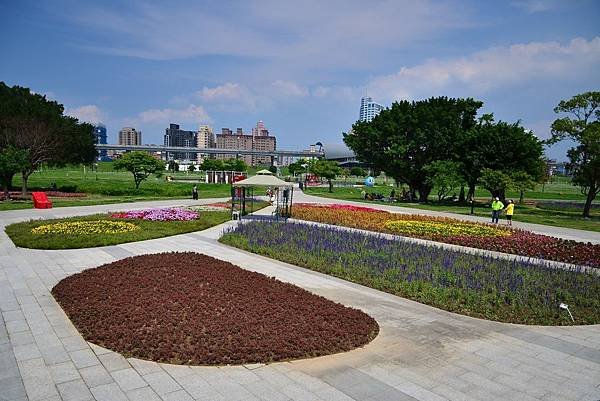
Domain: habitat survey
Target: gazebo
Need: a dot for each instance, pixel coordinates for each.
(282, 191)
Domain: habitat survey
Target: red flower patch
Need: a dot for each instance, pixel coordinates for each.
(188, 308)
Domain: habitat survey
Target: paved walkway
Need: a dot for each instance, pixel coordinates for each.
(421, 353)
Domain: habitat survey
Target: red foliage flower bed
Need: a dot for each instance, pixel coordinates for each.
(189, 308)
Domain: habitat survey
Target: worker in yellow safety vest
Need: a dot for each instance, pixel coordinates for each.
(497, 206)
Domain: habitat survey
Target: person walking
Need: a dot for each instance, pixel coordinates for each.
(195, 193)
(510, 210)
(497, 206)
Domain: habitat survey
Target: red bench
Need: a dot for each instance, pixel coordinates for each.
(40, 200)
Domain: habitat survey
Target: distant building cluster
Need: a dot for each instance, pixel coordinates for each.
(369, 109)
(204, 138)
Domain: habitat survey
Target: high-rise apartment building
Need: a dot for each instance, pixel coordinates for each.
(369, 109)
(227, 139)
(260, 129)
(259, 140)
(100, 137)
(205, 139)
(130, 136)
(174, 136)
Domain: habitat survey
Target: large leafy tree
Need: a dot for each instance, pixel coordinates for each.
(29, 121)
(234, 165)
(212, 165)
(404, 139)
(583, 126)
(326, 169)
(498, 146)
(445, 176)
(12, 160)
(141, 165)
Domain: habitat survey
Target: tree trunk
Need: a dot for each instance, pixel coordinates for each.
(471, 193)
(461, 196)
(25, 176)
(424, 192)
(588, 201)
(521, 196)
(330, 185)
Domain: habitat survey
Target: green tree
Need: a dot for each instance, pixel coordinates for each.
(358, 171)
(173, 166)
(445, 176)
(12, 160)
(191, 168)
(582, 126)
(325, 169)
(235, 165)
(495, 181)
(522, 182)
(141, 165)
(28, 121)
(405, 138)
(212, 165)
(499, 146)
(297, 167)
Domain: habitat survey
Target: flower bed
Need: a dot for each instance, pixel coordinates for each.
(85, 228)
(474, 285)
(458, 232)
(188, 308)
(159, 214)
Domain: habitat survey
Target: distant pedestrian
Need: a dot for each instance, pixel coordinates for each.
(195, 192)
(497, 206)
(510, 210)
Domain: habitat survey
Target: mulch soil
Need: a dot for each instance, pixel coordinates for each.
(189, 308)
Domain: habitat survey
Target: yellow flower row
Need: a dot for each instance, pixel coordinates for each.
(438, 228)
(86, 227)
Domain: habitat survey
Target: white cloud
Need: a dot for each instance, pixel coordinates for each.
(288, 34)
(535, 6)
(490, 69)
(191, 114)
(287, 89)
(89, 113)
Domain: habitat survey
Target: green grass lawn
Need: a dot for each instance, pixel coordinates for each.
(569, 217)
(106, 186)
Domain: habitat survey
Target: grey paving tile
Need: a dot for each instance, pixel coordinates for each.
(108, 392)
(162, 383)
(37, 379)
(142, 394)
(63, 372)
(84, 358)
(113, 361)
(128, 379)
(75, 390)
(95, 376)
(12, 389)
(179, 395)
(144, 367)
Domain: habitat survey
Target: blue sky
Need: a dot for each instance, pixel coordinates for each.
(300, 66)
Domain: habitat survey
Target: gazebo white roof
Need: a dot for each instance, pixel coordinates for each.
(262, 181)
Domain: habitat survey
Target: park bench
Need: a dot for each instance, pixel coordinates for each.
(40, 200)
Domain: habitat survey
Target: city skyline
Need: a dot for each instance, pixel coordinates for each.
(302, 68)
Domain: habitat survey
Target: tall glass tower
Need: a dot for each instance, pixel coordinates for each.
(369, 109)
(100, 137)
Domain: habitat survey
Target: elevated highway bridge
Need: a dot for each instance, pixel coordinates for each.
(214, 151)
